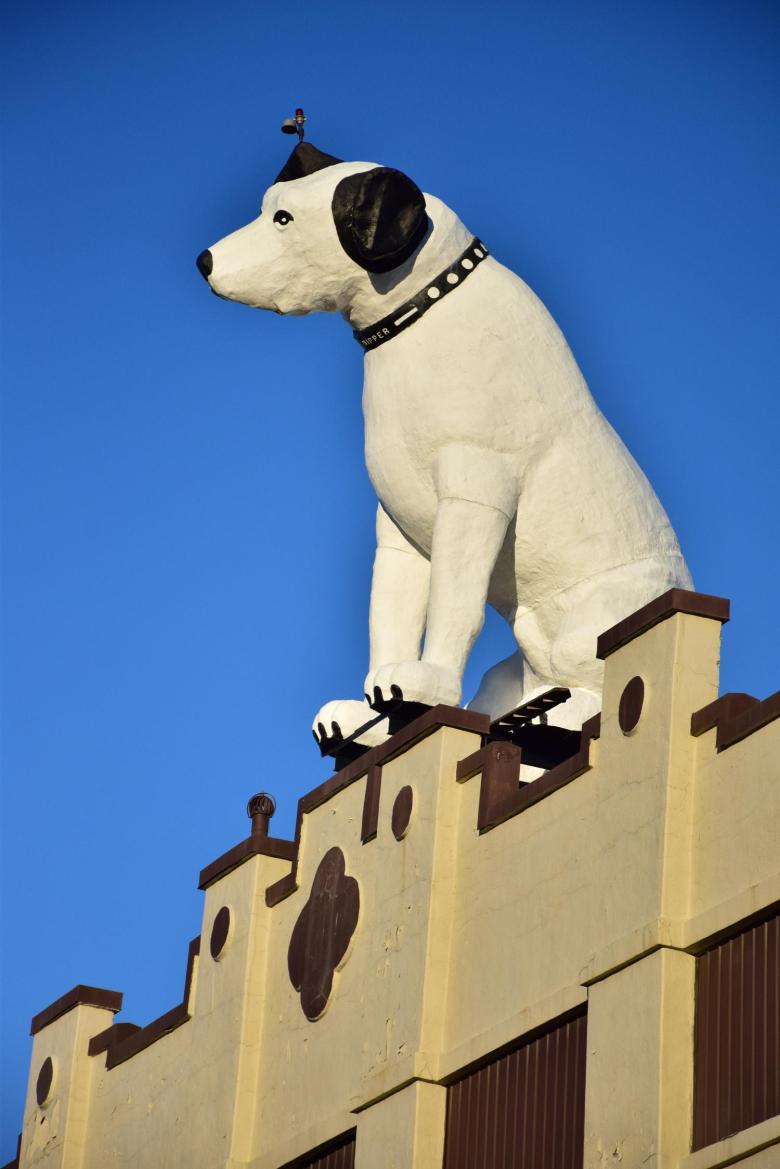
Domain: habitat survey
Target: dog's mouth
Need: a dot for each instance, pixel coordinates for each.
(270, 306)
(274, 308)
(283, 312)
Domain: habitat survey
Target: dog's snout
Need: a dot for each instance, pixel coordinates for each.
(205, 263)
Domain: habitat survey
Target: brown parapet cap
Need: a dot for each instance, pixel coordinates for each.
(281, 889)
(501, 795)
(472, 764)
(669, 603)
(413, 732)
(432, 720)
(254, 845)
(124, 1040)
(146, 1036)
(721, 710)
(111, 1037)
(735, 716)
(89, 996)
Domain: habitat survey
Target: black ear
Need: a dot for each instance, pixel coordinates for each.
(380, 217)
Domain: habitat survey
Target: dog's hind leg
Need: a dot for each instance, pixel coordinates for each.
(505, 686)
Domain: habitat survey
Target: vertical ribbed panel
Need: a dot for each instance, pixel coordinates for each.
(737, 1034)
(340, 1156)
(524, 1110)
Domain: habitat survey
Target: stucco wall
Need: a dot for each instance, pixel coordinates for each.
(465, 941)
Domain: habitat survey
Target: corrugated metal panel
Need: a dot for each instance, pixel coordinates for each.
(339, 1156)
(523, 1110)
(737, 1034)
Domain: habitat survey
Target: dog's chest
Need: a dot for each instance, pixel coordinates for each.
(401, 444)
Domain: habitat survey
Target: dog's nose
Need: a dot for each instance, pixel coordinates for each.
(205, 263)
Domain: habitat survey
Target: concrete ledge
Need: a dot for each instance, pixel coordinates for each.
(420, 1065)
(510, 1031)
(737, 1147)
(691, 935)
(703, 930)
(660, 933)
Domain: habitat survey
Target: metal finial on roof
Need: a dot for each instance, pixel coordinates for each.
(295, 125)
(260, 809)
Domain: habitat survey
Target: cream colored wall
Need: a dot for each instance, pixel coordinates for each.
(185, 1100)
(639, 1087)
(591, 877)
(403, 1131)
(55, 1136)
(387, 1002)
(464, 943)
(737, 811)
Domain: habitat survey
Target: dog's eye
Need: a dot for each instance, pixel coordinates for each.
(282, 218)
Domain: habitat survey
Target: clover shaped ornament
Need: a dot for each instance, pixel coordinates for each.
(321, 935)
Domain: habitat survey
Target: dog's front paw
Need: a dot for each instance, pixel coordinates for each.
(341, 718)
(413, 682)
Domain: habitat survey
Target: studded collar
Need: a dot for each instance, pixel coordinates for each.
(411, 310)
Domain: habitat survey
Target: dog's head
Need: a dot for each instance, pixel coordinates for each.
(323, 226)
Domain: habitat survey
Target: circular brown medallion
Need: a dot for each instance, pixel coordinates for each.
(44, 1082)
(631, 702)
(402, 812)
(219, 933)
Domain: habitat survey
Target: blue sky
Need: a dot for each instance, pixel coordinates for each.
(187, 522)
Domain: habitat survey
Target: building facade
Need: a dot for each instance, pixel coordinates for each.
(450, 969)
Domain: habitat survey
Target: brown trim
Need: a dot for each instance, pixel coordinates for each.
(88, 996)
(669, 603)
(254, 845)
(146, 1036)
(111, 1037)
(120, 1045)
(283, 887)
(501, 795)
(420, 728)
(735, 716)
(370, 824)
(500, 787)
(723, 709)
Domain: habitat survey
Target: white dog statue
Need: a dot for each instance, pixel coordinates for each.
(498, 478)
